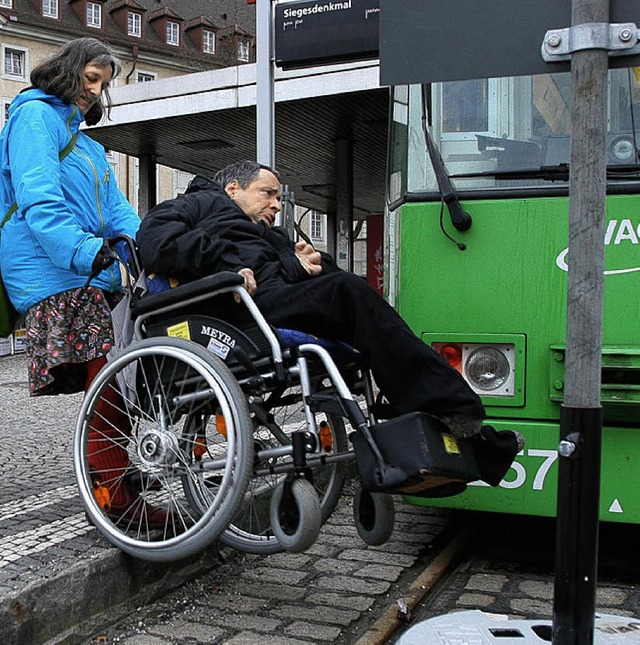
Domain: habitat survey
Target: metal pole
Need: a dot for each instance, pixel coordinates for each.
(265, 119)
(581, 419)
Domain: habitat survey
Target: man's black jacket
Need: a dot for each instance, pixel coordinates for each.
(204, 231)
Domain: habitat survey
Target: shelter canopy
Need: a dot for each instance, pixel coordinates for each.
(200, 122)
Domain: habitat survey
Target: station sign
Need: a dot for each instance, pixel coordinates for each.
(443, 40)
(326, 31)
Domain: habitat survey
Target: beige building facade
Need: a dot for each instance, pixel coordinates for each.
(154, 40)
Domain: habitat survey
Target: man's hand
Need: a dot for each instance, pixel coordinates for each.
(249, 283)
(309, 258)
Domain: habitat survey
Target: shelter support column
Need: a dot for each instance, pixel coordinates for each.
(147, 184)
(344, 204)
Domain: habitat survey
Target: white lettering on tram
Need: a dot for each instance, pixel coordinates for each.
(618, 232)
(519, 476)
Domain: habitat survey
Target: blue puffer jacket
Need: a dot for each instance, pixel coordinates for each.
(65, 208)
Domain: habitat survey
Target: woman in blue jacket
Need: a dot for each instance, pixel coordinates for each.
(58, 188)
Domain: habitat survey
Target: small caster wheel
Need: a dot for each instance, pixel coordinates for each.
(374, 516)
(295, 515)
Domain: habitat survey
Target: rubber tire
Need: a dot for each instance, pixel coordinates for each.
(193, 529)
(309, 520)
(374, 516)
(259, 540)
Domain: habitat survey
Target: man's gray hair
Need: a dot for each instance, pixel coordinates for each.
(244, 172)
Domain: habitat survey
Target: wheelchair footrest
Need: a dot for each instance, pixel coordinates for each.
(420, 457)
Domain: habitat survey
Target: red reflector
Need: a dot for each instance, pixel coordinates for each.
(451, 352)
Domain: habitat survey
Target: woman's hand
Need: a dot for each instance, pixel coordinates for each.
(105, 257)
(98, 262)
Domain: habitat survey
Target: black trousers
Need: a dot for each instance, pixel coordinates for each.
(340, 306)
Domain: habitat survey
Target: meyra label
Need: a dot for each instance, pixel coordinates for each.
(450, 444)
(181, 330)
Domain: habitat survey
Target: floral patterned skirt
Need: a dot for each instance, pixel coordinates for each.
(64, 332)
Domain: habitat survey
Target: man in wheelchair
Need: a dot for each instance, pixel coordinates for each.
(227, 224)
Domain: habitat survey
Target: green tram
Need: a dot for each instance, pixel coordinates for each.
(477, 237)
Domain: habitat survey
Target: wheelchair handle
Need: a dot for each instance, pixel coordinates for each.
(110, 255)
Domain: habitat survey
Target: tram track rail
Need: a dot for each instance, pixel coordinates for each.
(504, 565)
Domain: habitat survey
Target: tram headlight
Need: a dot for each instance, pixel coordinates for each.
(494, 370)
(487, 369)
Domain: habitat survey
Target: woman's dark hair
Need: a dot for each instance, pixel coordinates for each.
(61, 75)
(244, 172)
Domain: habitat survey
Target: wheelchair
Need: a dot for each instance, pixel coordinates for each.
(244, 434)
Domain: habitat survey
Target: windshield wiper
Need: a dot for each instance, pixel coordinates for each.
(549, 173)
(460, 219)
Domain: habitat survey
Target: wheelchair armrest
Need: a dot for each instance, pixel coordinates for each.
(184, 292)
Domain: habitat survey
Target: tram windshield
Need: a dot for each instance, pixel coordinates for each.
(505, 133)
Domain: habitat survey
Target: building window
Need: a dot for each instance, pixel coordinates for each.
(134, 24)
(317, 227)
(50, 8)
(243, 51)
(15, 63)
(209, 42)
(173, 33)
(4, 113)
(181, 180)
(145, 77)
(114, 161)
(6, 3)
(94, 14)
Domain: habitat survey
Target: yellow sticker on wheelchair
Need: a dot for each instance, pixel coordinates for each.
(450, 444)
(181, 330)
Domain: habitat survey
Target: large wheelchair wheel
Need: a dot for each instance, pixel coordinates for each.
(187, 477)
(250, 530)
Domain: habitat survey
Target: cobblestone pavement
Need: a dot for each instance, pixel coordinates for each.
(345, 593)
(40, 513)
(328, 594)
(55, 569)
(56, 572)
(509, 571)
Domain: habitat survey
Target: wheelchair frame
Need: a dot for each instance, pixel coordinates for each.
(208, 476)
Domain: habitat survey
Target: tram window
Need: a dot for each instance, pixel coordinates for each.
(624, 100)
(551, 104)
(398, 143)
(488, 128)
(465, 106)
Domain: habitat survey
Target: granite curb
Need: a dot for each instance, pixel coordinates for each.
(89, 594)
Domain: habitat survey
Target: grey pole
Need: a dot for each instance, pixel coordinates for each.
(581, 419)
(265, 119)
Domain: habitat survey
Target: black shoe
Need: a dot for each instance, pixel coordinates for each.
(495, 452)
